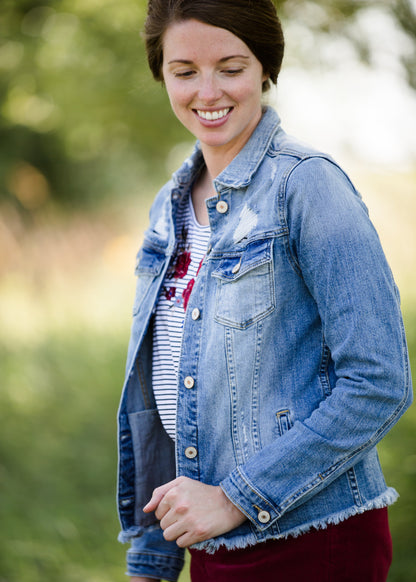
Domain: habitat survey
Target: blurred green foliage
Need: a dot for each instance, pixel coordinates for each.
(78, 105)
(57, 460)
(81, 119)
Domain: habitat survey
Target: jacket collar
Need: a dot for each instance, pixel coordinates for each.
(240, 171)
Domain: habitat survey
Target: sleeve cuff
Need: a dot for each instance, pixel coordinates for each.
(260, 511)
(152, 556)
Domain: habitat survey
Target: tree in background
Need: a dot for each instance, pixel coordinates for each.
(81, 119)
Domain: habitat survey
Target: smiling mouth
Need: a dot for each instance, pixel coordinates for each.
(213, 115)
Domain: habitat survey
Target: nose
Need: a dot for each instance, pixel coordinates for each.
(209, 90)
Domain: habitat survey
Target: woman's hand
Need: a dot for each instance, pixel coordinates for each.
(190, 511)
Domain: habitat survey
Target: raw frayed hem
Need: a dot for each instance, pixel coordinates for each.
(127, 534)
(244, 541)
(236, 543)
(388, 498)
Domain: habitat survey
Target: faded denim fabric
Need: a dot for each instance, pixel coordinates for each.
(298, 357)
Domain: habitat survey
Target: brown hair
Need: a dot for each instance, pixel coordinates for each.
(255, 22)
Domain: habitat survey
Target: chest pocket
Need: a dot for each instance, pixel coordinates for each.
(245, 286)
(149, 264)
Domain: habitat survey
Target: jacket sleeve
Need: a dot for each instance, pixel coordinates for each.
(152, 556)
(336, 251)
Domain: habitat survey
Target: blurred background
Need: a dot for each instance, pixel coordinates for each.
(86, 139)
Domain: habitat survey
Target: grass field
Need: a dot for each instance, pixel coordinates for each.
(65, 294)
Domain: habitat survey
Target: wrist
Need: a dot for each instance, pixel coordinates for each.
(235, 515)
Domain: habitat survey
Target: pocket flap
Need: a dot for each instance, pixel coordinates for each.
(233, 267)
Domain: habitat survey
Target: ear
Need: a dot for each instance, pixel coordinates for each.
(265, 84)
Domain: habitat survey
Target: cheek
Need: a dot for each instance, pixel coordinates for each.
(248, 90)
(178, 97)
(248, 93)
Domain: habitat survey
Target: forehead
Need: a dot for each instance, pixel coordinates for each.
(192, 40)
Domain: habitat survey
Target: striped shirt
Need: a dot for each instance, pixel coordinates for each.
(191, 244)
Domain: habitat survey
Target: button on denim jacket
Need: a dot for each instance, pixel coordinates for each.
(298, 356)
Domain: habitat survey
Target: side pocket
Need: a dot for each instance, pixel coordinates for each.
(284, 421)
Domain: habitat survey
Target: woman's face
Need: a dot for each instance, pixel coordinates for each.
(214, 83)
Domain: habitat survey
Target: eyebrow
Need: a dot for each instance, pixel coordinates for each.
(223, 60)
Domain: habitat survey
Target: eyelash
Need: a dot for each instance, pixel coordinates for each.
(184, 75)
(234, 71)
(230, 72)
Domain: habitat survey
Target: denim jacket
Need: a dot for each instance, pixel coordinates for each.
(293, 363)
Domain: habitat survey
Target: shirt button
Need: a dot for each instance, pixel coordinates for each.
(191, 452)
(195, 313)
(189, 382)
(209, 249)
(222, 207)
(263, 516)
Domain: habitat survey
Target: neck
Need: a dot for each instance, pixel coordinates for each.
(204, 183)
(216, 160)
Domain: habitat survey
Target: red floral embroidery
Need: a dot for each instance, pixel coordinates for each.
(187, 293)
(200, 265)
(181, 266)
(170, 293)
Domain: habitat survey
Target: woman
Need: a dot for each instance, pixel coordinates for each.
(267, 356)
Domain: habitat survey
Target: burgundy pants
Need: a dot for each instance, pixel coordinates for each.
(358, 549)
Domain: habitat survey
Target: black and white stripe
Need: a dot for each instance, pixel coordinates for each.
(169, 319)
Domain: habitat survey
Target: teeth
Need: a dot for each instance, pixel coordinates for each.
(213, 115)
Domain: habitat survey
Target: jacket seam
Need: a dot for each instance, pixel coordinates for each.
(323, 369)
(283, 194)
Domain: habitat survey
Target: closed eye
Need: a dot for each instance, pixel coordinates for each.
(233, 71)
(184, 74)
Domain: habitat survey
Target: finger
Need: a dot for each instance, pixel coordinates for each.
(153, 503)
(173, 531)
(168, 515)
(158, 495)
(192, 534)
(185, 540)
(163, 509)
